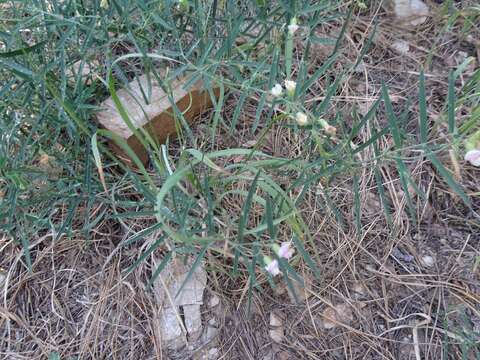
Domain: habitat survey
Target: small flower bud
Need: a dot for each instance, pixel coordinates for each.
(277, 90)
(301, 118)
(290, 85)
(330, 130)
(293, 27)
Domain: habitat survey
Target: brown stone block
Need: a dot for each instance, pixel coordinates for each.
(156, 116)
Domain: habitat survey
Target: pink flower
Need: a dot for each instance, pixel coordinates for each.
(272, 268)
(473, 157)
(286, 251)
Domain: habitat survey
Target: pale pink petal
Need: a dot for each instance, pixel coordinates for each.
(473, 157)
(272, 268)
(286, 251)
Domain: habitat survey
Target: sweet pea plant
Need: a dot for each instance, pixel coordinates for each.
(247, 54)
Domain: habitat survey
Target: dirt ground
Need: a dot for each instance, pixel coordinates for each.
(391, 292)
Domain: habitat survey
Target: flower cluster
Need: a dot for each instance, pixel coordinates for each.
(284, 251)
(290, 86)
(300, 117)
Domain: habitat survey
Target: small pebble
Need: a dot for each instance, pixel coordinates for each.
(213, 351)
(214, 301)
(359, 290)
(370, 267)
(428, 260)
(276, 332)
(360, 68)
(401, 256)
(401, 46)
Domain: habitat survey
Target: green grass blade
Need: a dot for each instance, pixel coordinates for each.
(448, 178)
(381, 189)
(252, 279)
(217, 113)
(23, 51)
(130, 153)
(451, 103)
(311, 263)
(142, 257)
(141, 234)
(269, 217)
(244, 219)
(423, 118)
(356, 205)
(26, 251)
(238, 109)
(402, 169)
(195, 265)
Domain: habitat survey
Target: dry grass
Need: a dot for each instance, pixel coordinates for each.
(79, 303)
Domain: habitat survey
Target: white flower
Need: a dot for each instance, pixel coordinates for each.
(104, 4)
(286, 251)
(301, 118)
(473, 157)
(293, 27)
(290, 86)
(272, 268)
(277, 90)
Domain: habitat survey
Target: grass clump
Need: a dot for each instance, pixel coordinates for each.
(246, 51)
(286, 172)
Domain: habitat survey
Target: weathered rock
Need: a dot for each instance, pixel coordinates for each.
(207, 354)
(427, 261)
(276, 331)
(193, 321)
(174, 333)
(210, 332)
(411, 12)
(401, 46)
(359, 290)
(85, 70)
(299, 293)
(214, 301)
(171, 329)
(283, 355)
(337, 315)
(155, 115)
